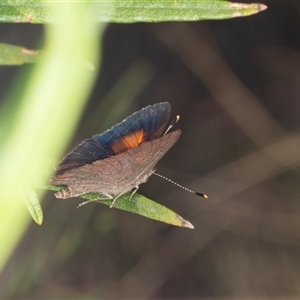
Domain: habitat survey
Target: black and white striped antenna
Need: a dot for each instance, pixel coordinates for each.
(182, 187)
(172, 124)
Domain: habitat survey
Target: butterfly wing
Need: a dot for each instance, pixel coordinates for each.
(118, 174)
(144, 125)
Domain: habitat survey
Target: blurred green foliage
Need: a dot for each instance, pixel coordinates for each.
(51, 102)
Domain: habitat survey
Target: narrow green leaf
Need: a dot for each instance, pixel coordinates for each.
(139, 205)
(124, 11)
(15, 55)
(33, 205)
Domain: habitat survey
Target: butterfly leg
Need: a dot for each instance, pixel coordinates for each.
(133, 192)
(106, 197)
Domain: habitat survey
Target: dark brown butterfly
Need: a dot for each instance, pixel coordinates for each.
(120, 159)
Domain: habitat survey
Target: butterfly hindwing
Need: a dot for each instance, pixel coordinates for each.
(118, 174)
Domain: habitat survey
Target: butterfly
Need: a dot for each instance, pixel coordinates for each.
(118, 160)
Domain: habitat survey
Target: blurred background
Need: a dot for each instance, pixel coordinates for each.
(235, 84)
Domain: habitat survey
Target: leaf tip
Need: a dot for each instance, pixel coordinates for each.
(242, 9)
(33, 206)
(39, 221)
(262, 7)
(185, 223)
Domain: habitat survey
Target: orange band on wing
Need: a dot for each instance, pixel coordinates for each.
(129, 141)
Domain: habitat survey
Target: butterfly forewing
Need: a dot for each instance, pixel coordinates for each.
(144, 125)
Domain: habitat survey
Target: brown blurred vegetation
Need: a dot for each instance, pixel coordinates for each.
(235, 84)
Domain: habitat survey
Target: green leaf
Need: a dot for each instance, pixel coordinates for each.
(15, 55)
(47, 99)
(139, 205)
(34, 207)
(125, 11)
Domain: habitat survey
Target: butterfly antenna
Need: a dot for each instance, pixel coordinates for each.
(184, 188)
(172, 124)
